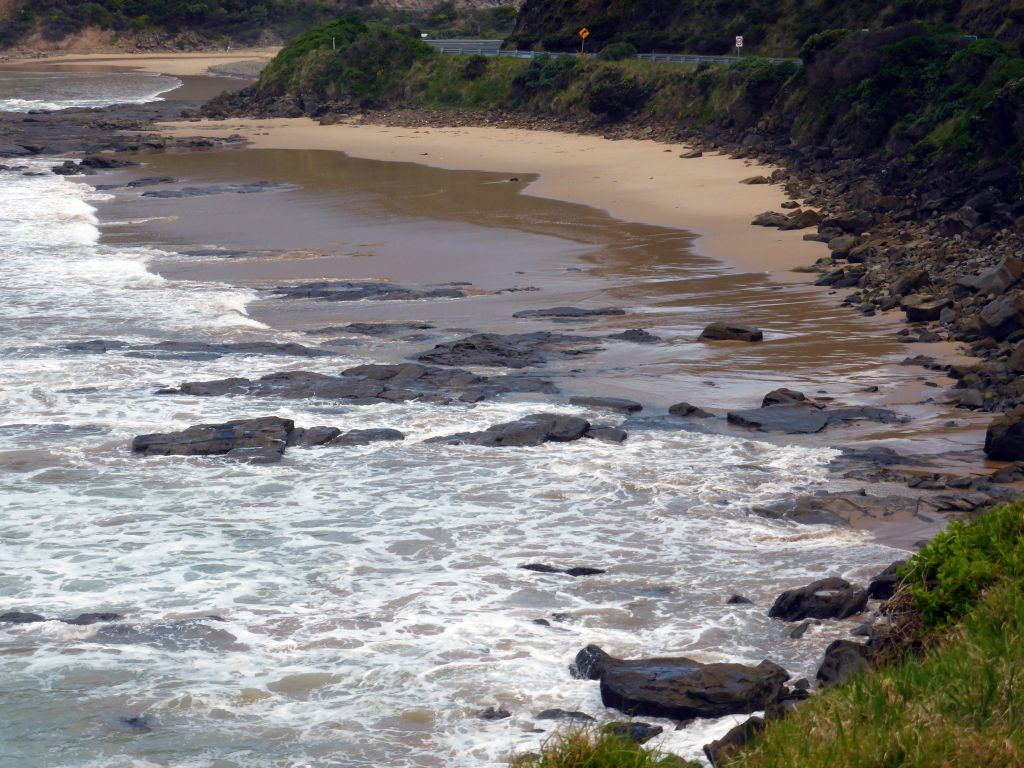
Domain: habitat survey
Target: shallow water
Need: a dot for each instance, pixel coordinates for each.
(358, 606)
(24, 89)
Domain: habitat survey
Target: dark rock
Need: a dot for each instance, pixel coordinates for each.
(909, 282)
(367, 436)
(312, 437)
(842, 245)
(151, 181)
(883, 585)
(137, 723)
(260, 440)
(569, 312)
(563, 714)
(680, 688)
(193, 350)
(532, 430)
(1004, 439)
(692, 154)
(104, 162)
(722, 751)
(20, 617)
(756, 180)
(635, 335)
(685, 410)
(86, 619)
(728, 332)
(739, 600)
(368, 384)
(831, 598)
(783, 397)
(843, 660)
(635, 731)
(788, 419)
(770, 219)
(518, 350)
(215, 189)
(800, 630)
(494, 713)
(1003, 315)
(95, 346)
(801, 220)
(68, 168)
(922, 308)
(997, 279)
(583, 571)
(608, 403)
(607, 434)
(377, 329)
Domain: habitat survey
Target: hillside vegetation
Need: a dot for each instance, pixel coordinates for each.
(192, 23)
(930, 100)
(769, 27)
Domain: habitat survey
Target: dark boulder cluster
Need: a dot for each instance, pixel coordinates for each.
(534, 430)
(371, 384)
(260, 441)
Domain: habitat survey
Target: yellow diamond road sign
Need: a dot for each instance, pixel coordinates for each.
(584, 33)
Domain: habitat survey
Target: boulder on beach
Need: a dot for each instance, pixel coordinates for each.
(783, 396)
(679, 688)
(1004, 438)
(831, 598)
(923, 308)
(788, 419)
(883, 585)
(720, 331)
(843, 659)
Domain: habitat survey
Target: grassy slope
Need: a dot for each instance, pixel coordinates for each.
(962, 703)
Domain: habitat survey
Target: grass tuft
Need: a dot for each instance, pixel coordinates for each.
(596, 748)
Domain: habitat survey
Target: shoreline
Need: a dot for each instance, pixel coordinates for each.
(628, 179)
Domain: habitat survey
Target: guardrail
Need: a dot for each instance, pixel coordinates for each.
(492, 48)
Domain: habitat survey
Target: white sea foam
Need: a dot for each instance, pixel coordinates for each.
(372, 596)
(24, 91)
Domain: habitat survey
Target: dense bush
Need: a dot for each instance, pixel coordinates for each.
(614, 95)
(619, 51)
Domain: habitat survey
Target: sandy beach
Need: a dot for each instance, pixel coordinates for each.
(641, 181)
(176, 64)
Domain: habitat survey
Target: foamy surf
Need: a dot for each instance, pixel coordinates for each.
(353, 607)
(19, 90)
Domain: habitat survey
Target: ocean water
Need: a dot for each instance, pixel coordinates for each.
(51, 89)
(347, 607)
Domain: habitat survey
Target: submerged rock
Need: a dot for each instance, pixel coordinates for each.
(573, 313)
(607, 403)
(563, 714)
(687, 411)
(184, 635)
(831, 598)
(20, 617)
(680, 688)
(532, 430)
(635, 731)
(370, 384)
(352, 291)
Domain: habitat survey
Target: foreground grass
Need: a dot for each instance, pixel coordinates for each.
(596, 748)
(962, 703)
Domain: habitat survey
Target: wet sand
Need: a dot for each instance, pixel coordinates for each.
(639, 181)
(177, 64)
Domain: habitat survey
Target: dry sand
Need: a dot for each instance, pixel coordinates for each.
(634, 180)
(175, 64)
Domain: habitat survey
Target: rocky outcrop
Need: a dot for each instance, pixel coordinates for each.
(730, 332)
(533, 430)
(680, 688)
(831, 598)
(261, 440)
(371, 384)
(351, 291)
(519, 350)
(883, 585)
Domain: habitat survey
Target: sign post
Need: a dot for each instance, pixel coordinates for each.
(739, 45)
(584, 34)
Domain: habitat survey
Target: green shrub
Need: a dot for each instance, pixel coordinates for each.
(948, 577)
(617, 51)
(614, 96)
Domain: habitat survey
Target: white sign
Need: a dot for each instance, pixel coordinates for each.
(739, 41)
